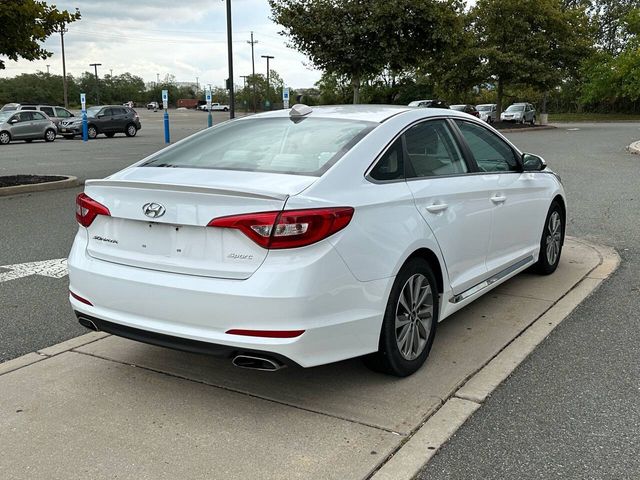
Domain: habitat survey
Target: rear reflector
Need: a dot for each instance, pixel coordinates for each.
(289, 228)
(80, 299)
(87, 209)
(267, 333)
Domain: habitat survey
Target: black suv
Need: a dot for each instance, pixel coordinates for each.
(107, 119)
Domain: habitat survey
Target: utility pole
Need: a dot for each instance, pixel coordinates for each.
(95, 66)
(157, 79)
(253, 71)
(232, 96)
(48, 69)
(111, 72)
(268, 57)
(197, 86)
(63, 30)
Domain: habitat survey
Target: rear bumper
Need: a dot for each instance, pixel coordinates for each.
(310, 290)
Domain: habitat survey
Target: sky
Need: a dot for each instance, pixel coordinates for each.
(184, 38)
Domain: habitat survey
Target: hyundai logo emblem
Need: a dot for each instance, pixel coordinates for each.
(153, 210)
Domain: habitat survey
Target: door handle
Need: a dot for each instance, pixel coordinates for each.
(498, 199)
(437, 207)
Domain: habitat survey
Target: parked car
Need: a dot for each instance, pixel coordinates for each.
(295, 236)
(519, 113)
(215, 107)
(27, 126)
(488, 112)
(153, 106)
(56, 114)
(9, 107)
(470, 109)
(107, 119)
(429, 104)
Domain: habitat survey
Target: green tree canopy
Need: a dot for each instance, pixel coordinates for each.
(531, 42)
(361, 38)
(26, 23)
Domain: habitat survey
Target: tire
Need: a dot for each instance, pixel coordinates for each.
(110, 134)
(533, 121)
(395, 356)
(551, 241)
(131, 130)
(50, 135)
(68, 137)
(5, 138)
(92, 132)
(225, 109)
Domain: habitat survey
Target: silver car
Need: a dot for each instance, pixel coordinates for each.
(56, 114)
(519, 113)
(27, 126)
(488, 112)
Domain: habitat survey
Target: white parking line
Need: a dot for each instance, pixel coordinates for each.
(56, 268)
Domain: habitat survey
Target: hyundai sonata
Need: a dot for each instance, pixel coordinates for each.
(308, 236)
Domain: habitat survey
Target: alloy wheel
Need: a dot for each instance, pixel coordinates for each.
(51, 135)
(414, 316)
(554, 237)
(131, 130)
(4, 138)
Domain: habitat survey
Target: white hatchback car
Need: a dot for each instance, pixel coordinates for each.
(310, 236)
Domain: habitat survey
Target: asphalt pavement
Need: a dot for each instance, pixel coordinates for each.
(570, 411)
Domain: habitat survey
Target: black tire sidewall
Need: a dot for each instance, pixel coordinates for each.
(89, 132)
(47, 132)
(543, 266)
(127, 133)
(392, 360)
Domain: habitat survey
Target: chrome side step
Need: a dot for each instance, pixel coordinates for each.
(491, 280)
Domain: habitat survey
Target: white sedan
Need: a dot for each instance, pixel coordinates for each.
(308, 236)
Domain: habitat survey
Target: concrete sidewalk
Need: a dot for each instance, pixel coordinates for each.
(99, 406)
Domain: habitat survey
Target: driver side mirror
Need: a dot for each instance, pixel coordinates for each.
(13, 120)
(533, 163)
(100, 115)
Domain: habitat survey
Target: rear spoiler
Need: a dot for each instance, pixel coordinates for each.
(245, 192)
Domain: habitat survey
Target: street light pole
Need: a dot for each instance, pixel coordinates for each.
(95, 66)
(268, 57)
(232, 96)
(64, 67)
(48, 69)
(253, 71)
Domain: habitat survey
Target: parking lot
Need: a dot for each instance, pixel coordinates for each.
(337, 421)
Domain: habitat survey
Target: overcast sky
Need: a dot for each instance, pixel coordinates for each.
(185, 38)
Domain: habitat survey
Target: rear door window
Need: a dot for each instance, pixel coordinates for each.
(62, 113)
(391, 164)
(432, 150)
(48, 111)
(38, 116)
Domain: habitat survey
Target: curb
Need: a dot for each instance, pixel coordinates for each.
(634, 148)
(68, 182)
(425, 442)
(531, 129)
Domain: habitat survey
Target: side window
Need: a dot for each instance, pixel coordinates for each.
(391, 164)
(107, 112)
(432, 150)
(24, 117)
(48, 111)
(37, 116)
(491, 153)
(62, 113)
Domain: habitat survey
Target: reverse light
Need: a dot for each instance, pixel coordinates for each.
(289, 228)
(87, 209)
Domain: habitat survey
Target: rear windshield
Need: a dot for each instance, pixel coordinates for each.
(306, 147)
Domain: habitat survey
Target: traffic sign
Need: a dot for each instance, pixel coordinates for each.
(165, 99)
(285, 97)
(83, 101)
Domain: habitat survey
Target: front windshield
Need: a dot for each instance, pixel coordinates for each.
(306, 146)
(416, 103)
(515, 108)
(484, 108)
(93, 111)
(4, 116)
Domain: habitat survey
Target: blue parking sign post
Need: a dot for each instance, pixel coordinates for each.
(285, 97)
(208, 99)
(165, 106)
(85, 130)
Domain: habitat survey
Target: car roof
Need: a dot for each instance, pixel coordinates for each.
(372, 113)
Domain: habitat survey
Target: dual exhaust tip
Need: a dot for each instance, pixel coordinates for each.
(252, 362)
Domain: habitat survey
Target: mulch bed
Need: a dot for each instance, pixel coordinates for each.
(15, 180)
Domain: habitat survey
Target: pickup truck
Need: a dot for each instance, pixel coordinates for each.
(215, 107)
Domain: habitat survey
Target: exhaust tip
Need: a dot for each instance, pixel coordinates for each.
(264, 364)
(85, 322)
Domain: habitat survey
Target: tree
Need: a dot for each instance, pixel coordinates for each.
(530, 42)
(359, 39)
(25, 23)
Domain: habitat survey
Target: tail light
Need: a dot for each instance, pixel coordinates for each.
(288, 229)
(87, 209)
